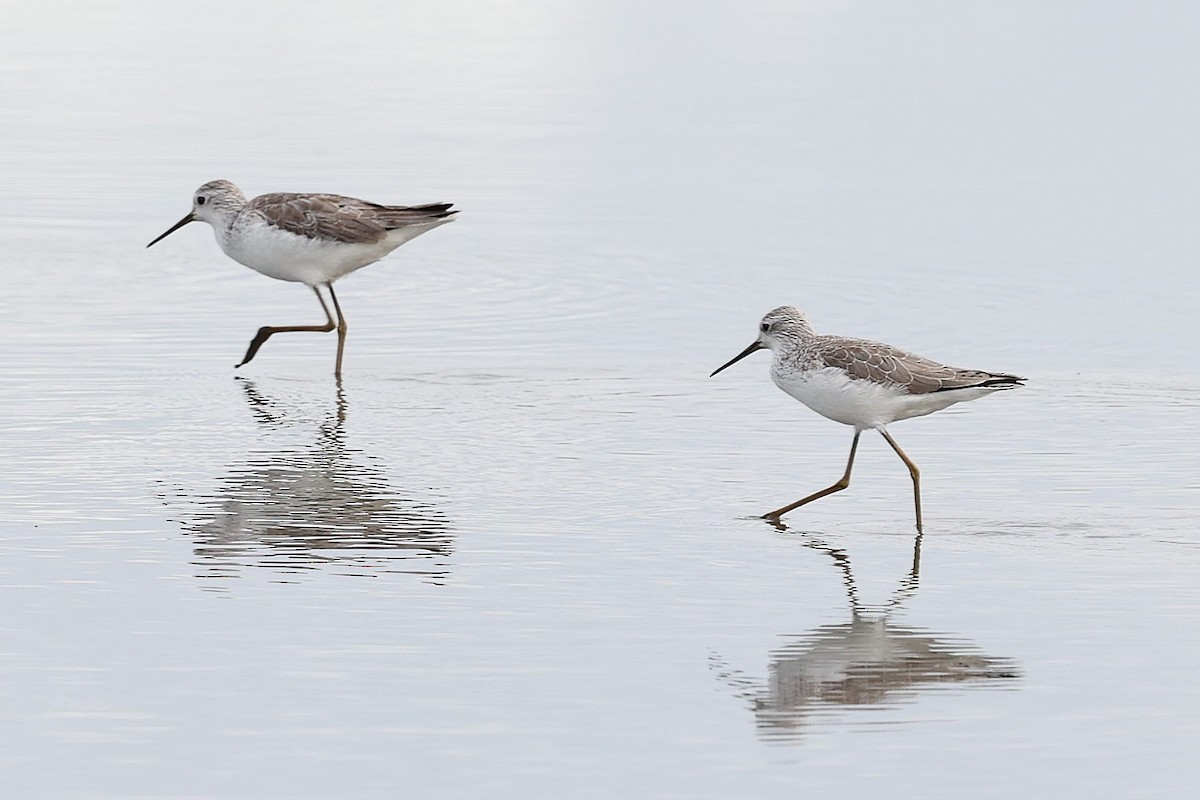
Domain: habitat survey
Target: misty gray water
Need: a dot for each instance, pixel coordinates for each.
(516, 554)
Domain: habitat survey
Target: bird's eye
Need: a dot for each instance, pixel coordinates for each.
(766, 326)
(200, 200)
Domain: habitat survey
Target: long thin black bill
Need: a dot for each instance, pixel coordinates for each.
(739, 357)
(173, 228)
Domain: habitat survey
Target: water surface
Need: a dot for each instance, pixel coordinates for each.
(517, 551)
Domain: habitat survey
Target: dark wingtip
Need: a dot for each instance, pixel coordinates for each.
(437, 209)
(1002, 380)
(992, 381)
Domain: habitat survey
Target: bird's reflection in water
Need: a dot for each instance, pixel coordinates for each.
(866, 661)
(315, 505)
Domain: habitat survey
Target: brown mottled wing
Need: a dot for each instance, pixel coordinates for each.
(885, 364)
(342, 219)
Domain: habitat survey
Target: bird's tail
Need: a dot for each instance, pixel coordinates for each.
(999, 381)
(429, 214)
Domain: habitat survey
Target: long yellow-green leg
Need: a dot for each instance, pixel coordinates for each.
(342, 327)
(912, 470)
(267, 331)
(842, 483)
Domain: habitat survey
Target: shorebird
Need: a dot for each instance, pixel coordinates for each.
(861, 383)
(312, 239)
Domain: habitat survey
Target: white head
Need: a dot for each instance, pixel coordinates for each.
(212, 203)
(781, 329)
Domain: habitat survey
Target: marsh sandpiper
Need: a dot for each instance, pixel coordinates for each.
(312, 239)
(863, 384)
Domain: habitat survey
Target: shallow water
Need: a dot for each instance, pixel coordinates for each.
(517, 550)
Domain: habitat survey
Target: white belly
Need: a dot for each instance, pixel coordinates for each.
(288, 257)
(862, 403)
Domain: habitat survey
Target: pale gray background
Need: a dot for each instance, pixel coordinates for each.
(518, 557)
